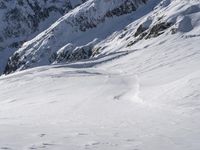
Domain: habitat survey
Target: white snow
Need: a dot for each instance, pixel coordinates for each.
(147, 99)
(142, 97)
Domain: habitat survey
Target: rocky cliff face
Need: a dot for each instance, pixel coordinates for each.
(21, 20)
(46, 48)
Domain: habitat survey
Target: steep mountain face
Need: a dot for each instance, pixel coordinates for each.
(21, 20)
(88, 30)
(63, 37)
(167, 19)
(24, 17)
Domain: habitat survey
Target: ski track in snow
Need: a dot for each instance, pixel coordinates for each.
(142, 97)
(113, 115)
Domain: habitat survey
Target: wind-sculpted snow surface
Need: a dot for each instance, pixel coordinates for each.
(138, 99)
(135, 86)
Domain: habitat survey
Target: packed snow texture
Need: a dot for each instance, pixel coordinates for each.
(135, 93)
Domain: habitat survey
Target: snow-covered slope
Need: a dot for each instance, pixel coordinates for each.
(21, 20)
(139, 90)
(142, 99)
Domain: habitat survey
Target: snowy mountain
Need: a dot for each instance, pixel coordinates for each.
(107, 75)
(65, 37)
(21, 20)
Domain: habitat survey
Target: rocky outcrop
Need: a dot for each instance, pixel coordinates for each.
(20, 19)
(70, 53)
(92, 17)
(158, 29)
(150, 32)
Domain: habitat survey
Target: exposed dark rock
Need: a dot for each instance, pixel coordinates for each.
(174, 30)
(18, 21)
(158, 29)
(84, 23)
(2, 5)
(70, 53)
(127, 7)
(145, 33)
(16, 44)
(13, 64)
(140, 30)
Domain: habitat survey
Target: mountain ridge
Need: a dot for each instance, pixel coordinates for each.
(21, 20)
